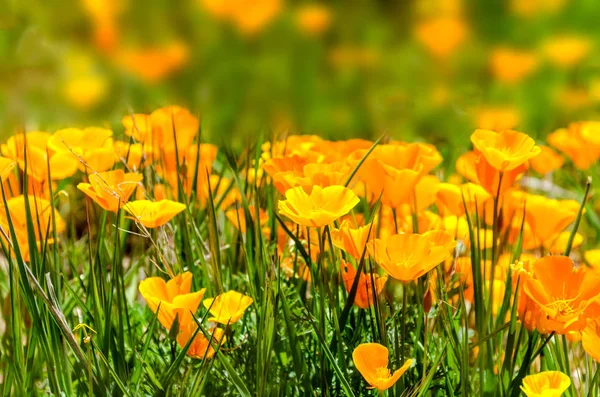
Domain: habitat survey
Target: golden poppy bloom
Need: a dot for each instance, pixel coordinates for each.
(111, 189)
(567, 51)
(352, 240)
(546, 384)
(313, 19)
(406, 257)
(576, 145)
(153, 214)
(92, 146)
(497, 118)
(371, 360)
(504, 150)
(44, 217)
(441, 36)
(319, 208)
(562, 292)
(153, 64)
(590, 336)
(453, 199)
(62, 165)
(548, 217)
(250, 17)
(133, 155)
(201, 347)
(227, 308)
(511, 65)
(547, 161)
(174, 298)
(138, 126)
(364, 297)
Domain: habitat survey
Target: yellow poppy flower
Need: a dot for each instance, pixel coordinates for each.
(352, 240)
(504, 150)
(567, 51)
(174, 298)
(111, 189)
(153, 214)
(227, 308)
(497, 118)
(371, 360)
(546, 384)
(319, 208)
(92, 146)
(407, 257)
(138, 126)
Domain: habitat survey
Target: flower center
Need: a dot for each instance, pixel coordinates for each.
(383, 372)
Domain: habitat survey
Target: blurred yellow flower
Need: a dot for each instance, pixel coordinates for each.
(227, 308)
(579, 148)
(546, 384)
(546, 161)
(249, 16)
(153, 64)
(441, 36)
(153, 214)
(568, 50)
(371, 360)
(510, 65)
(497, 118)
(313, 19)
(319, 208)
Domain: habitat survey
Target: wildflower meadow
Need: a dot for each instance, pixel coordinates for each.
(273, 198)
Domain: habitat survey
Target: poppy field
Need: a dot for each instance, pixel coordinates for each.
(276, 198)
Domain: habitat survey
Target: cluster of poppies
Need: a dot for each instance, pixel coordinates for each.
(382, 205)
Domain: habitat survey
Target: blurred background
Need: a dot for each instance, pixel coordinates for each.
(423, 69)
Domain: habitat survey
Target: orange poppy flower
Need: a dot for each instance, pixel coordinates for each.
(562, 292)
(441, 36)
(548, 217)
(546, 384)
(547, 161)
(352, 240)
(504, 150)
(227, 308)
(134, 155)
(364, 291)
(510, 65)
(174, 298)
(92, 146)
(558, 244)
(153, 64)
(201, 347)
(407, 257)
(313, 19)
(590, 336)
(111, 189)
(578, 147)
(319, 208)
(371, 360)
(153, 214)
